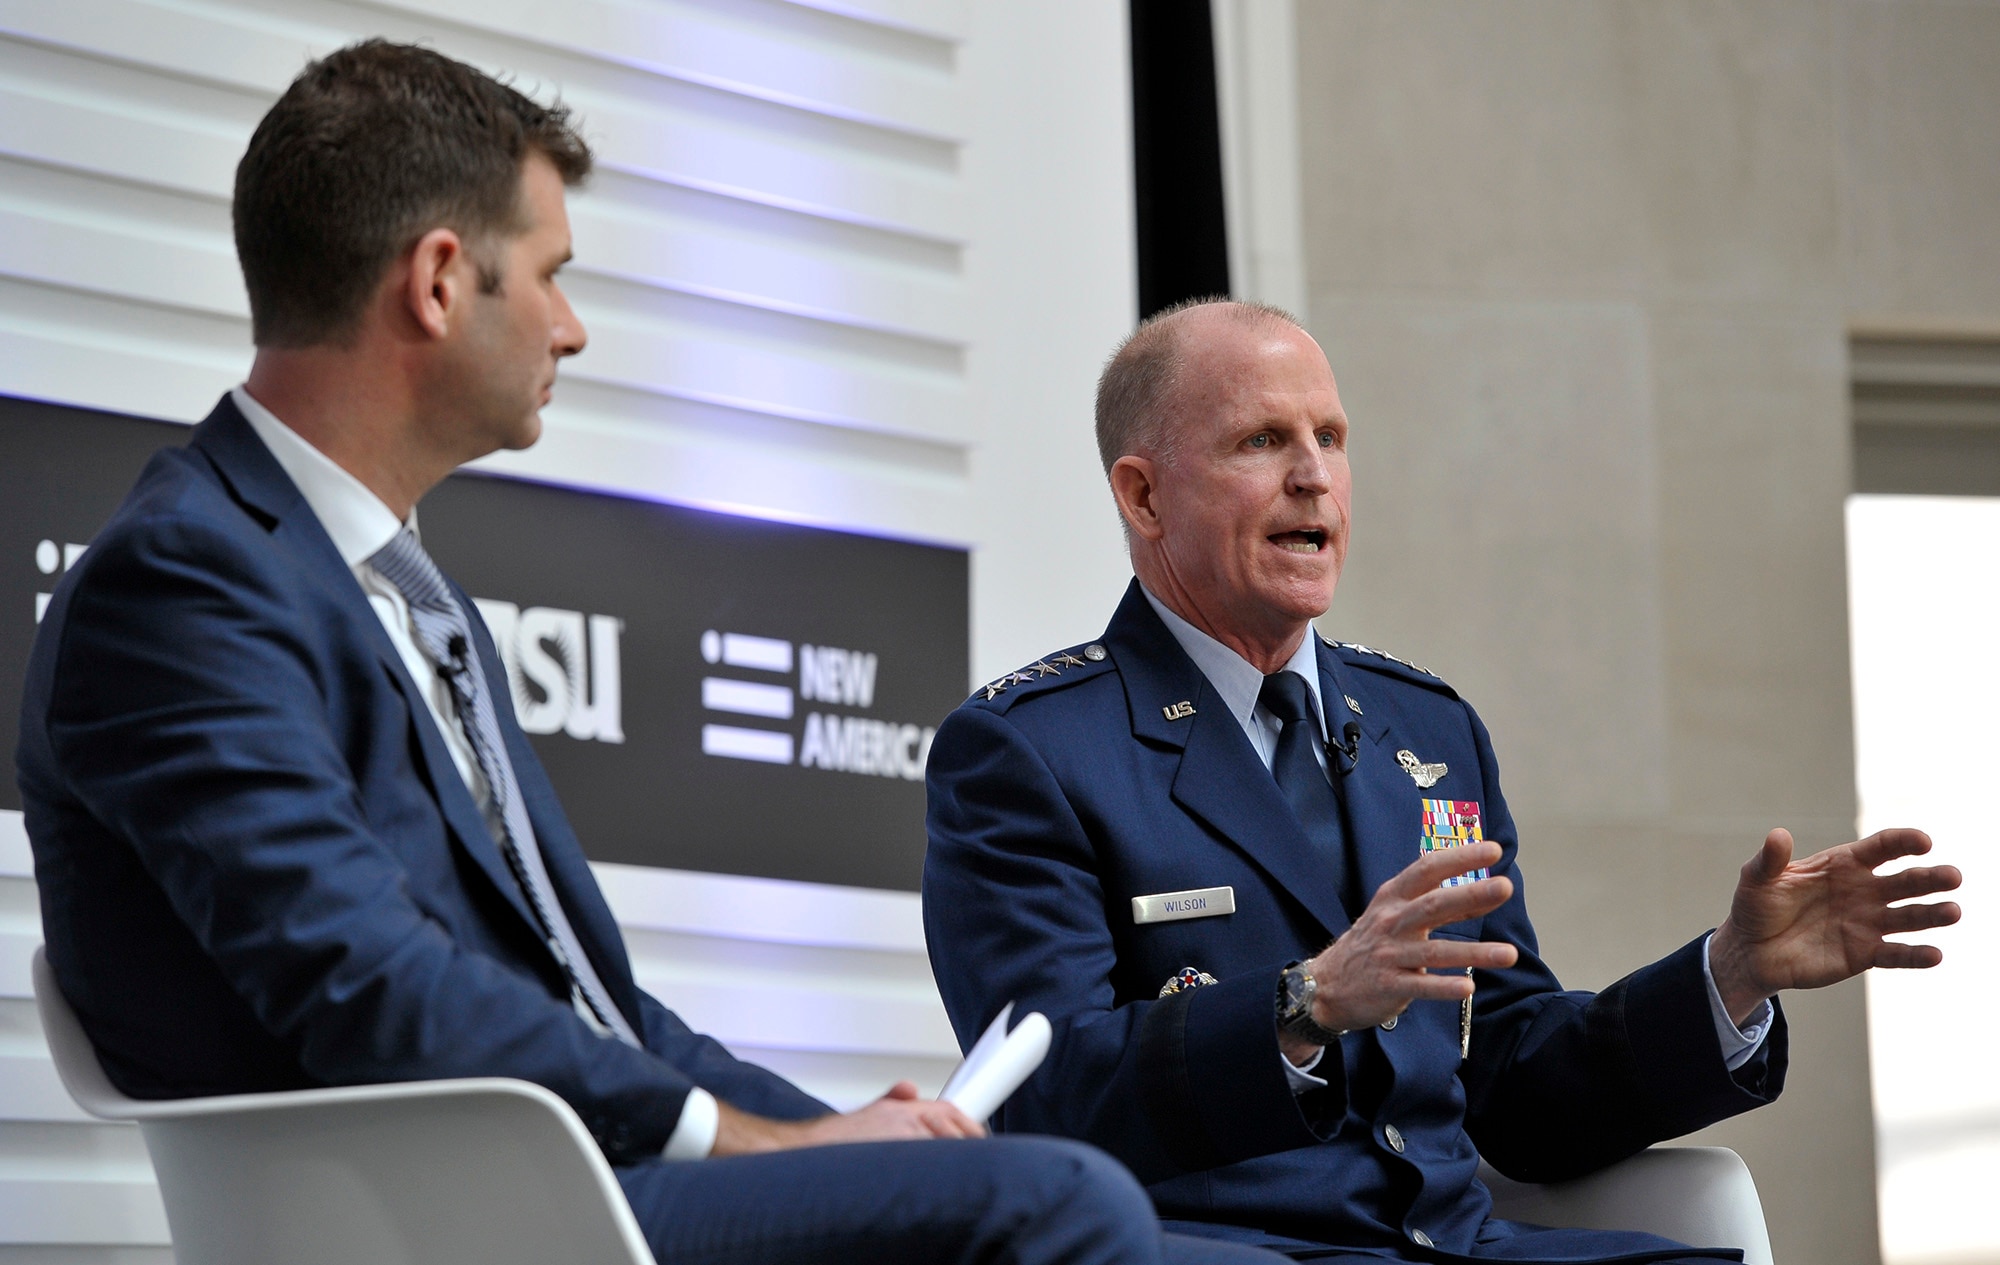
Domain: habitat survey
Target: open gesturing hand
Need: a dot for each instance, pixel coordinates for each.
(1820, 920)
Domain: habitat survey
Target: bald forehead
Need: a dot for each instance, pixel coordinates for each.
(1165, 375)
(1203, 330)
(1221, 356)
(1228, 334)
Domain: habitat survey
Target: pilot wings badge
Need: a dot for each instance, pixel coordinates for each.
(1424, 775)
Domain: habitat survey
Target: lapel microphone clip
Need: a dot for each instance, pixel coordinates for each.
(459, 650)
(1343, 755)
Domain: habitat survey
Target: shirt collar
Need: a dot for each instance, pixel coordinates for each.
(1235, 678)
(354, 518)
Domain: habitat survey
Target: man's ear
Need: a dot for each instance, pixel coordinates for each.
(1136, 490)
(439, 281)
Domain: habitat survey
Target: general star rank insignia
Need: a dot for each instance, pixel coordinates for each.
(1424, 775)
(1040, 668)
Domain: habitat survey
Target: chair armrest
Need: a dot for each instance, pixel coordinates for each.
(1699, 1195)
(455, 1172)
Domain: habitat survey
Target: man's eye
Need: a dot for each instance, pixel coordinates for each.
(1326, 439)
(1260, 441)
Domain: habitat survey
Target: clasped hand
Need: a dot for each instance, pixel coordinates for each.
(899, 1115)
(1388, 958)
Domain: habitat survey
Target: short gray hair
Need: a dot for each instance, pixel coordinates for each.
(1136, 394)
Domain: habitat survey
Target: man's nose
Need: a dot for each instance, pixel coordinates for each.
(567, 336)
(1309, 475)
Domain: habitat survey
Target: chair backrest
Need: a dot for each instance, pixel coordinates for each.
(75, 1059)
(456, 1172)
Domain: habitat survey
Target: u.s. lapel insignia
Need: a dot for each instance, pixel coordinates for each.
(1179, 711)
(1424, 775)
(1352, 705)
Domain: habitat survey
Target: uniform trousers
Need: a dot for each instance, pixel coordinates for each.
(1020, 1200)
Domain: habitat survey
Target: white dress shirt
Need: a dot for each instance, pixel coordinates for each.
(359, 524)
(1238, 682)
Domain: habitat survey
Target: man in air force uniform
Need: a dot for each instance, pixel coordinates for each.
(1266, 886)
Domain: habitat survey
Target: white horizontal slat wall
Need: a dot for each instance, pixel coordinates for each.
(848, 262)
(778, 228)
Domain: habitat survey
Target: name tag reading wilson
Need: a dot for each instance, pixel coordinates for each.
(1197, 902)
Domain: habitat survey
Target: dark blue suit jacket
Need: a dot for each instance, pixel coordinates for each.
(1057, 798)
(259, 868)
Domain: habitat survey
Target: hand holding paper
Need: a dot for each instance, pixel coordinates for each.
(997, 1064)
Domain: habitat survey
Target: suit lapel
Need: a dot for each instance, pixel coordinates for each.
(256, 479)
(1220, 779)
(1383, 822)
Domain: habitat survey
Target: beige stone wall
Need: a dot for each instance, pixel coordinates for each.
(1586, 271)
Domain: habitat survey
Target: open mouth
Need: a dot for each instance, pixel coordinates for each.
(1307, 540)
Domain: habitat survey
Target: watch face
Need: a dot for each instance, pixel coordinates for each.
(1298, 993)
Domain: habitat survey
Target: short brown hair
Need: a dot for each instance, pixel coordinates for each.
(1135, 394)
(369, 149)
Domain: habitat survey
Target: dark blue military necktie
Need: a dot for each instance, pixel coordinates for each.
(1304, 783)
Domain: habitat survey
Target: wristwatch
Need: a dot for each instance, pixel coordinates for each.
(1295, 1007)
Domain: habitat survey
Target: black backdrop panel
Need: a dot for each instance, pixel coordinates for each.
(709, 692)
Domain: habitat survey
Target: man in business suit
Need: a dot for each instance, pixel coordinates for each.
(1153, 838)
(286, 830)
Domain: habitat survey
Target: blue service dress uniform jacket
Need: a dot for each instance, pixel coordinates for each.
(1061, 792)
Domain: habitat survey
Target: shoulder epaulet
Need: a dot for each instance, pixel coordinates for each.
(1075, 661)
(1380, 660)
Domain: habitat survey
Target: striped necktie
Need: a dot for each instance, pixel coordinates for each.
(446, 638)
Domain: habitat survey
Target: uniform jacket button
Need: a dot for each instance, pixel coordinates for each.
(1394, 1137)
(1389, 1024)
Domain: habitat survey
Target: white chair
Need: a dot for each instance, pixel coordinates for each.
(501, 1172)
(1702, 1195)
(458, 1172)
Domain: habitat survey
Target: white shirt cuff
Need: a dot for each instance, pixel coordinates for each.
(1300, 1078)
(694, 1136)
(1738, 1044)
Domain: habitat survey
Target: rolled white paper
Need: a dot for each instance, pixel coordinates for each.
(981, 1050)
(1000, 1060)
